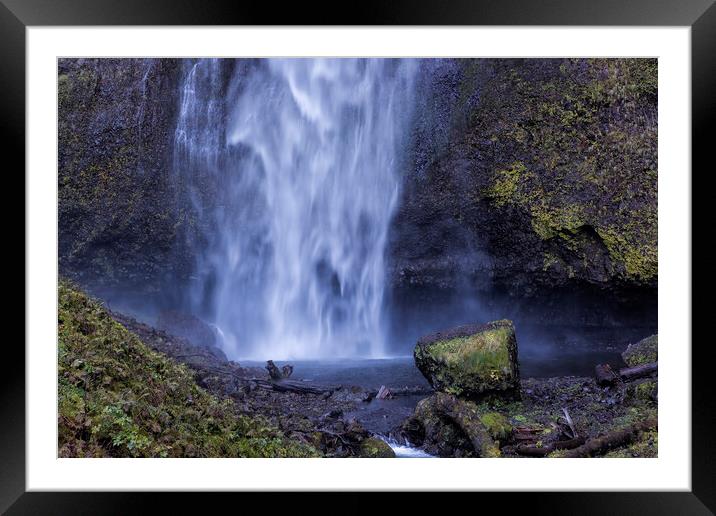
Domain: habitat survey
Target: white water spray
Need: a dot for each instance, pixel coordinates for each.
(292, 167)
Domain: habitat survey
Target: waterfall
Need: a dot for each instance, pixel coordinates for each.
(291, 170)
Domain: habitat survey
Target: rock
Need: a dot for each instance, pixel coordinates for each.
(471, 361)
(375, 448)
(642, 352)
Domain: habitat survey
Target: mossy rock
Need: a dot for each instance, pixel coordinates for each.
(471, 361)
(375, 448)
(643, 352)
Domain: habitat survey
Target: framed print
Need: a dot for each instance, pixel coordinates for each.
(273, 251)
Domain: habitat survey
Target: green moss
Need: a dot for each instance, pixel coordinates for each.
(490, 450)
(475, 362)
(642, 392)
(376, 448)
(643, 352)
(63, 90)
(504, 189)
(483, 354)
(496, 425)
(640, 260)
(118, 398)
(647, 446)
(549, 222)
(581, 144)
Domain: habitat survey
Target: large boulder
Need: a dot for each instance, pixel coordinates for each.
(471, 361)
(642, 352)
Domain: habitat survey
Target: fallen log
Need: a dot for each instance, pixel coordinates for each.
(640, 371)
(401, 391)
(462, 415)
(612, 440)
(532, 450)
(296, 386)
(606, 376)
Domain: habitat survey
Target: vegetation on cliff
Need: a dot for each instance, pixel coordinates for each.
(578, 144)
(544, 181)
(118, 398)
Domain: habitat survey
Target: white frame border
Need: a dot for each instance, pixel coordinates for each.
(671, 471)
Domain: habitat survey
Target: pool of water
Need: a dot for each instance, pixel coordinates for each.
(367, 373)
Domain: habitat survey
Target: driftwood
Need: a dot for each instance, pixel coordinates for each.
(611, 440)
(640, 371)
(532, 450)
(570, 423)
(383, 393)
(296, 386)
(605, 375)
(401, 391)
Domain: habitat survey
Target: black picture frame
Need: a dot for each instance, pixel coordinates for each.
(700, 15)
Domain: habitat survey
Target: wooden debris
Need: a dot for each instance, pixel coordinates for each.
(640, 371)
(273, 371)
(611, 440)
(570, 423)
(532, 450)
(605, 375)
(383, 393)
(402, 391)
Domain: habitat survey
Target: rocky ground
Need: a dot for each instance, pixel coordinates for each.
(319, 419)
(336, 419)
(484, 410)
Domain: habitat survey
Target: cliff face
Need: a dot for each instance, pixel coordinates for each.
(526, 180)
(533, 179)
(118, 218)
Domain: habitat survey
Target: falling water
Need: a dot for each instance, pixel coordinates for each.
(291, 169)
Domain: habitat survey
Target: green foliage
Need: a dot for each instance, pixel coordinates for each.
(118, 398)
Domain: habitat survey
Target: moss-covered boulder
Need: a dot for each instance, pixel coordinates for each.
(471, 361)
(375, 448)
(642, 352)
